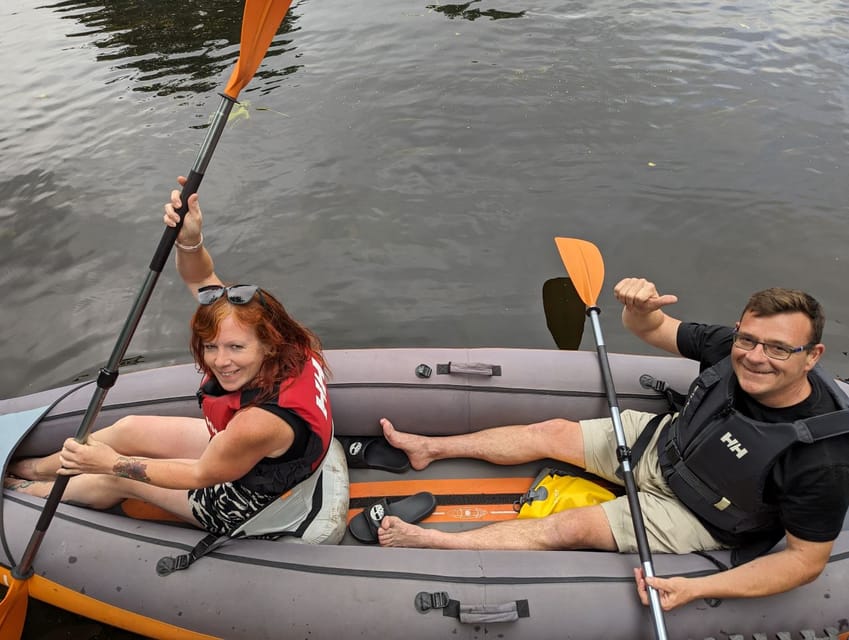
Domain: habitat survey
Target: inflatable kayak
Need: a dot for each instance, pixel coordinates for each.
(103, 564)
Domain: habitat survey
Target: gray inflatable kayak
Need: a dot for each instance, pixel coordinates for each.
(103, 564)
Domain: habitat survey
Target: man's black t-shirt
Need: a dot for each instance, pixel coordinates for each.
(809, 482)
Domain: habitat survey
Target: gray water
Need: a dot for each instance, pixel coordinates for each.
(398, 170)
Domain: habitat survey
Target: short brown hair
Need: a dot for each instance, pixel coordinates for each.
(771, 302)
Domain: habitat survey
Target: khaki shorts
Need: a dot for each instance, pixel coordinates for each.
(670, 526)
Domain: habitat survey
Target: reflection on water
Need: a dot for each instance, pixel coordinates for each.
(399, 169)
(171, 48)
(468, 12)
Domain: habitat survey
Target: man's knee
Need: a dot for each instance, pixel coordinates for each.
(580, 528)
(555, 428)
(559, 439)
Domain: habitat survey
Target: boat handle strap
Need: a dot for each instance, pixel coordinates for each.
(472, 613)
(487, 613)
(469, 368)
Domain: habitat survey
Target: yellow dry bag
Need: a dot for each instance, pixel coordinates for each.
(554, 490)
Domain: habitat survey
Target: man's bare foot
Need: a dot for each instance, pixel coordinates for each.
(27, 469)
(40, 489)
(415, 446)
(394, 532)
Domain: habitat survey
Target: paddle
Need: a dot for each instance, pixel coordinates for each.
(565, 312)
(260, 21)
(584, 265)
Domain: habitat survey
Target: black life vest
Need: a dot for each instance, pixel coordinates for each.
(717, 460)
(306, 396)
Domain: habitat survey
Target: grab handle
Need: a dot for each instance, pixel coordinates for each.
(472, 613)
(469, 368)
(487, 613)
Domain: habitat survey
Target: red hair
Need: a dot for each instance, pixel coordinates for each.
(288, 343)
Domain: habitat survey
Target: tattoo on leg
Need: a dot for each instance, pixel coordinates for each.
(16, 484)
(131, 468)
(37, 488)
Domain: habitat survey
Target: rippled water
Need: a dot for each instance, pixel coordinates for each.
(398, 169)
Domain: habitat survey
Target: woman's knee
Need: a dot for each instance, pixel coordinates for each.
(96, 491)
(129, 423)
(121, 430)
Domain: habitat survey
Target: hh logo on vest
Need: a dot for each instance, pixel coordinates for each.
(733, 445)
(320, 388)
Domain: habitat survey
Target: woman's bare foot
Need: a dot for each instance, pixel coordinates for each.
(28, 469)
(38, 488)
(415, 446)
(394, 532)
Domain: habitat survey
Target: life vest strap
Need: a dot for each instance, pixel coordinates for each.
(169, 565)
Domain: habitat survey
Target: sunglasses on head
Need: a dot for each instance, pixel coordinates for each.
(236, 294)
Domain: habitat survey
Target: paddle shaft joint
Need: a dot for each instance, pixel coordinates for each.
(106, 378)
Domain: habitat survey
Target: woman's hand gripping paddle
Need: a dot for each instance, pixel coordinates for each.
(585, 267)
(260, 22)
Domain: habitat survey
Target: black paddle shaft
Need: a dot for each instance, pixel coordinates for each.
(193, 181)
(109, 374)
(623, 454)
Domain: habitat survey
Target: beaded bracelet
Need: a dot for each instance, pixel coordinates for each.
(191, 249)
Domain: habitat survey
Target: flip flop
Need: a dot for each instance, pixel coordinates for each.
(373, 452)
(412, 509)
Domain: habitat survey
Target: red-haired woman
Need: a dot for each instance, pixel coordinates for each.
(267, 423)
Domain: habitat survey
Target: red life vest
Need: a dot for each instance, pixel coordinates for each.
(305, 395)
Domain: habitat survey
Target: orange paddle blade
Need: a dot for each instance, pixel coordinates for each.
(584, 265)
(260, 22)
(13, 609)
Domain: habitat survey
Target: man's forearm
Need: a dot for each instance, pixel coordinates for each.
(641, 324)
(764, 576)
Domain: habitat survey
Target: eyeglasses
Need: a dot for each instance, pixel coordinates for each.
(771, 350)
(237, 294)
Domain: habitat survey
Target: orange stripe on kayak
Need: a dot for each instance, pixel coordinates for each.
(440, 487)
(59, 596)
(472, 513)
(463, 513)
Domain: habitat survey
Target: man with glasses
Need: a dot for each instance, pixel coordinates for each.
(760, 451)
